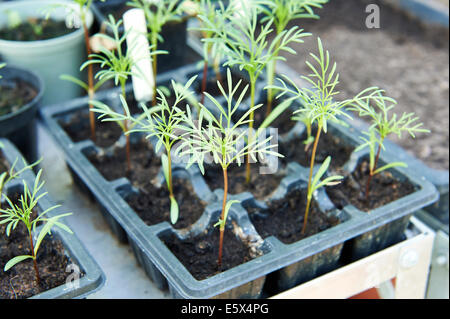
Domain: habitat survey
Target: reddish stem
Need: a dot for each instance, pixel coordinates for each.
(90, 81)
(38, 278)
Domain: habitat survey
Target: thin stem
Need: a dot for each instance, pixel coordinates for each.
(311, 168)
(250, 127)
(216, 67)
(90, 81)
(125, 125)
(169, 162)
(372, 170)
(222, 216)
(270, 91)
(36, 270)
(205, 75)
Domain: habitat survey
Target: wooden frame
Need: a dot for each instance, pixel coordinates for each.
(408, 262)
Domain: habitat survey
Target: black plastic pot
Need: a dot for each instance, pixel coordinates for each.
(283, 265)
(20, 126)
(174, 35)
(92, 278)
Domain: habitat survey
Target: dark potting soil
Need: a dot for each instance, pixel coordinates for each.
(199, 255)
(329, 145)
(20, 281)
(145, 164)
(35, 29)
(152, 203)
(384, 188)
(14, 94)
(261, 185)
(79, 129)
(284, 218)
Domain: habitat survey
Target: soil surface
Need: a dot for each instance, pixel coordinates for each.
(79, 129)
(261, 185)
(35, 29)
(384, 188)
(199, 255)
(20, 282)
(284, 219)
(329, 145)
(14, 94)
(404, 57)
(152, 204)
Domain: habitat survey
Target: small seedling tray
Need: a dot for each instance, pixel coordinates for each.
(92, 278)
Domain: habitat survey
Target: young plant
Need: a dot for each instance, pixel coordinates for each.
(282, 12)
(12, 174)
(24, 212)
(319, 105)
(157, 14)
(207, 9)
(239, 41)
(114, 65)
(84, 7)
(224, 141)
(376, 106)
(164, 123)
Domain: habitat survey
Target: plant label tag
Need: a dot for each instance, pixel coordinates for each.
(142, 72)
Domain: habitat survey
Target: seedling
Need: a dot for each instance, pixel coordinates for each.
(223, 141)
(157, 14)
(282, 12)
(319, 107)
(207, 9)
(164, 123)
(376, 106)
(249, 50)
(114, 65)
(12, 174)
(24, 212)
(90, 88)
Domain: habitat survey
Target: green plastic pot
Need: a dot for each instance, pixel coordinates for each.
(48, 58)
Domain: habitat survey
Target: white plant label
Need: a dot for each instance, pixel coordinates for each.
(142, 72)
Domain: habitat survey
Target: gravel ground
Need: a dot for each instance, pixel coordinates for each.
(404, 57)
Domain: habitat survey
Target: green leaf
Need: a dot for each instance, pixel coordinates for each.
(73, 79)
(390, 165)
(221, 222)
(15, 261)
(322, 170)
(174, 210)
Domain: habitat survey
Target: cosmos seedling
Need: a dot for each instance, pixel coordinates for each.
(207, 10)
(164, 122)
(89, 87)
(377, 107)
(319, 105)
(12, 174)
(157, 14)
(244, 47)
(224, 141)
(114, 65)
(282, 12)
(24, 212)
